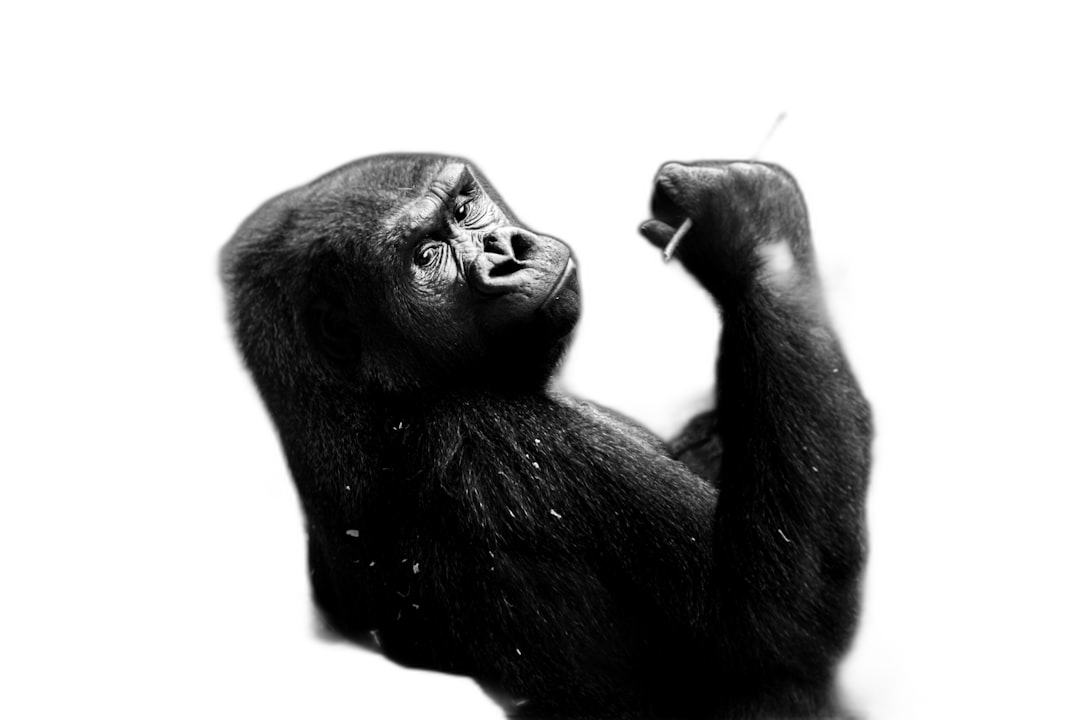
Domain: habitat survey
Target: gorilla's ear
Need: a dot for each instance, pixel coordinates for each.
(331, 331)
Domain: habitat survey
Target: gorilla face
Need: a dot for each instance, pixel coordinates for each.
(417, 276)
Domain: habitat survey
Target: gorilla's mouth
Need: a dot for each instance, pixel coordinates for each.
(567, 281)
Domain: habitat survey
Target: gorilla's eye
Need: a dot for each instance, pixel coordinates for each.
(426, 254)
(462, 211)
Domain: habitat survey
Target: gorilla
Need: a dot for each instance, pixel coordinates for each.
(403, 328)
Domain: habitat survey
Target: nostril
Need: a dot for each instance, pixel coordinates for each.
(511, 244)
(509, 266)
(506, 251)
(520, 245)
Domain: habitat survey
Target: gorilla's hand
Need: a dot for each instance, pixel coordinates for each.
(749, 225)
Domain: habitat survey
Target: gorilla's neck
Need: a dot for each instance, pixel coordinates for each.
(463, 453)
(478, 433)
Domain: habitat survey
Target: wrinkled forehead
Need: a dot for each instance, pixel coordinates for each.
(382, 181)
(435, 197)
(402, 173)
(352, 201)
(442, 182)
(366, 211)
(417, 187)
(384, 184)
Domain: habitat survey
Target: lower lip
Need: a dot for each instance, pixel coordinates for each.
(564, 277)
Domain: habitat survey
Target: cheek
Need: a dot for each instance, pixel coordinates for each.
(440, 321)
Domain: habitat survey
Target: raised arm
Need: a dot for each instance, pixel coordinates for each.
(789, 539)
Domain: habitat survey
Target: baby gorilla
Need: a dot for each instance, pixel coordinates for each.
(403, 327)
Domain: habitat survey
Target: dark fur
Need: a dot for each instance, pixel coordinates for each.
(568, 560)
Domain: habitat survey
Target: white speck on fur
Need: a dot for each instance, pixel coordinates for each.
(556, 514)
(786, 539)
(352, 533)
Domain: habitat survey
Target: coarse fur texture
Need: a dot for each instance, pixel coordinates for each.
(403, 327)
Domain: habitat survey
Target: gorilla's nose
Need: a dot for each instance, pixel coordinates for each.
(509, 249)
(514, 260)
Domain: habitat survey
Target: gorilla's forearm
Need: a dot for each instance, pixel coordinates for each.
(789, 541)
(792, 424)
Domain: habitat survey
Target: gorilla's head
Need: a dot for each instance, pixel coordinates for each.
(397, 273)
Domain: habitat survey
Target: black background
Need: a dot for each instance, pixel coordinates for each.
(216, 546)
